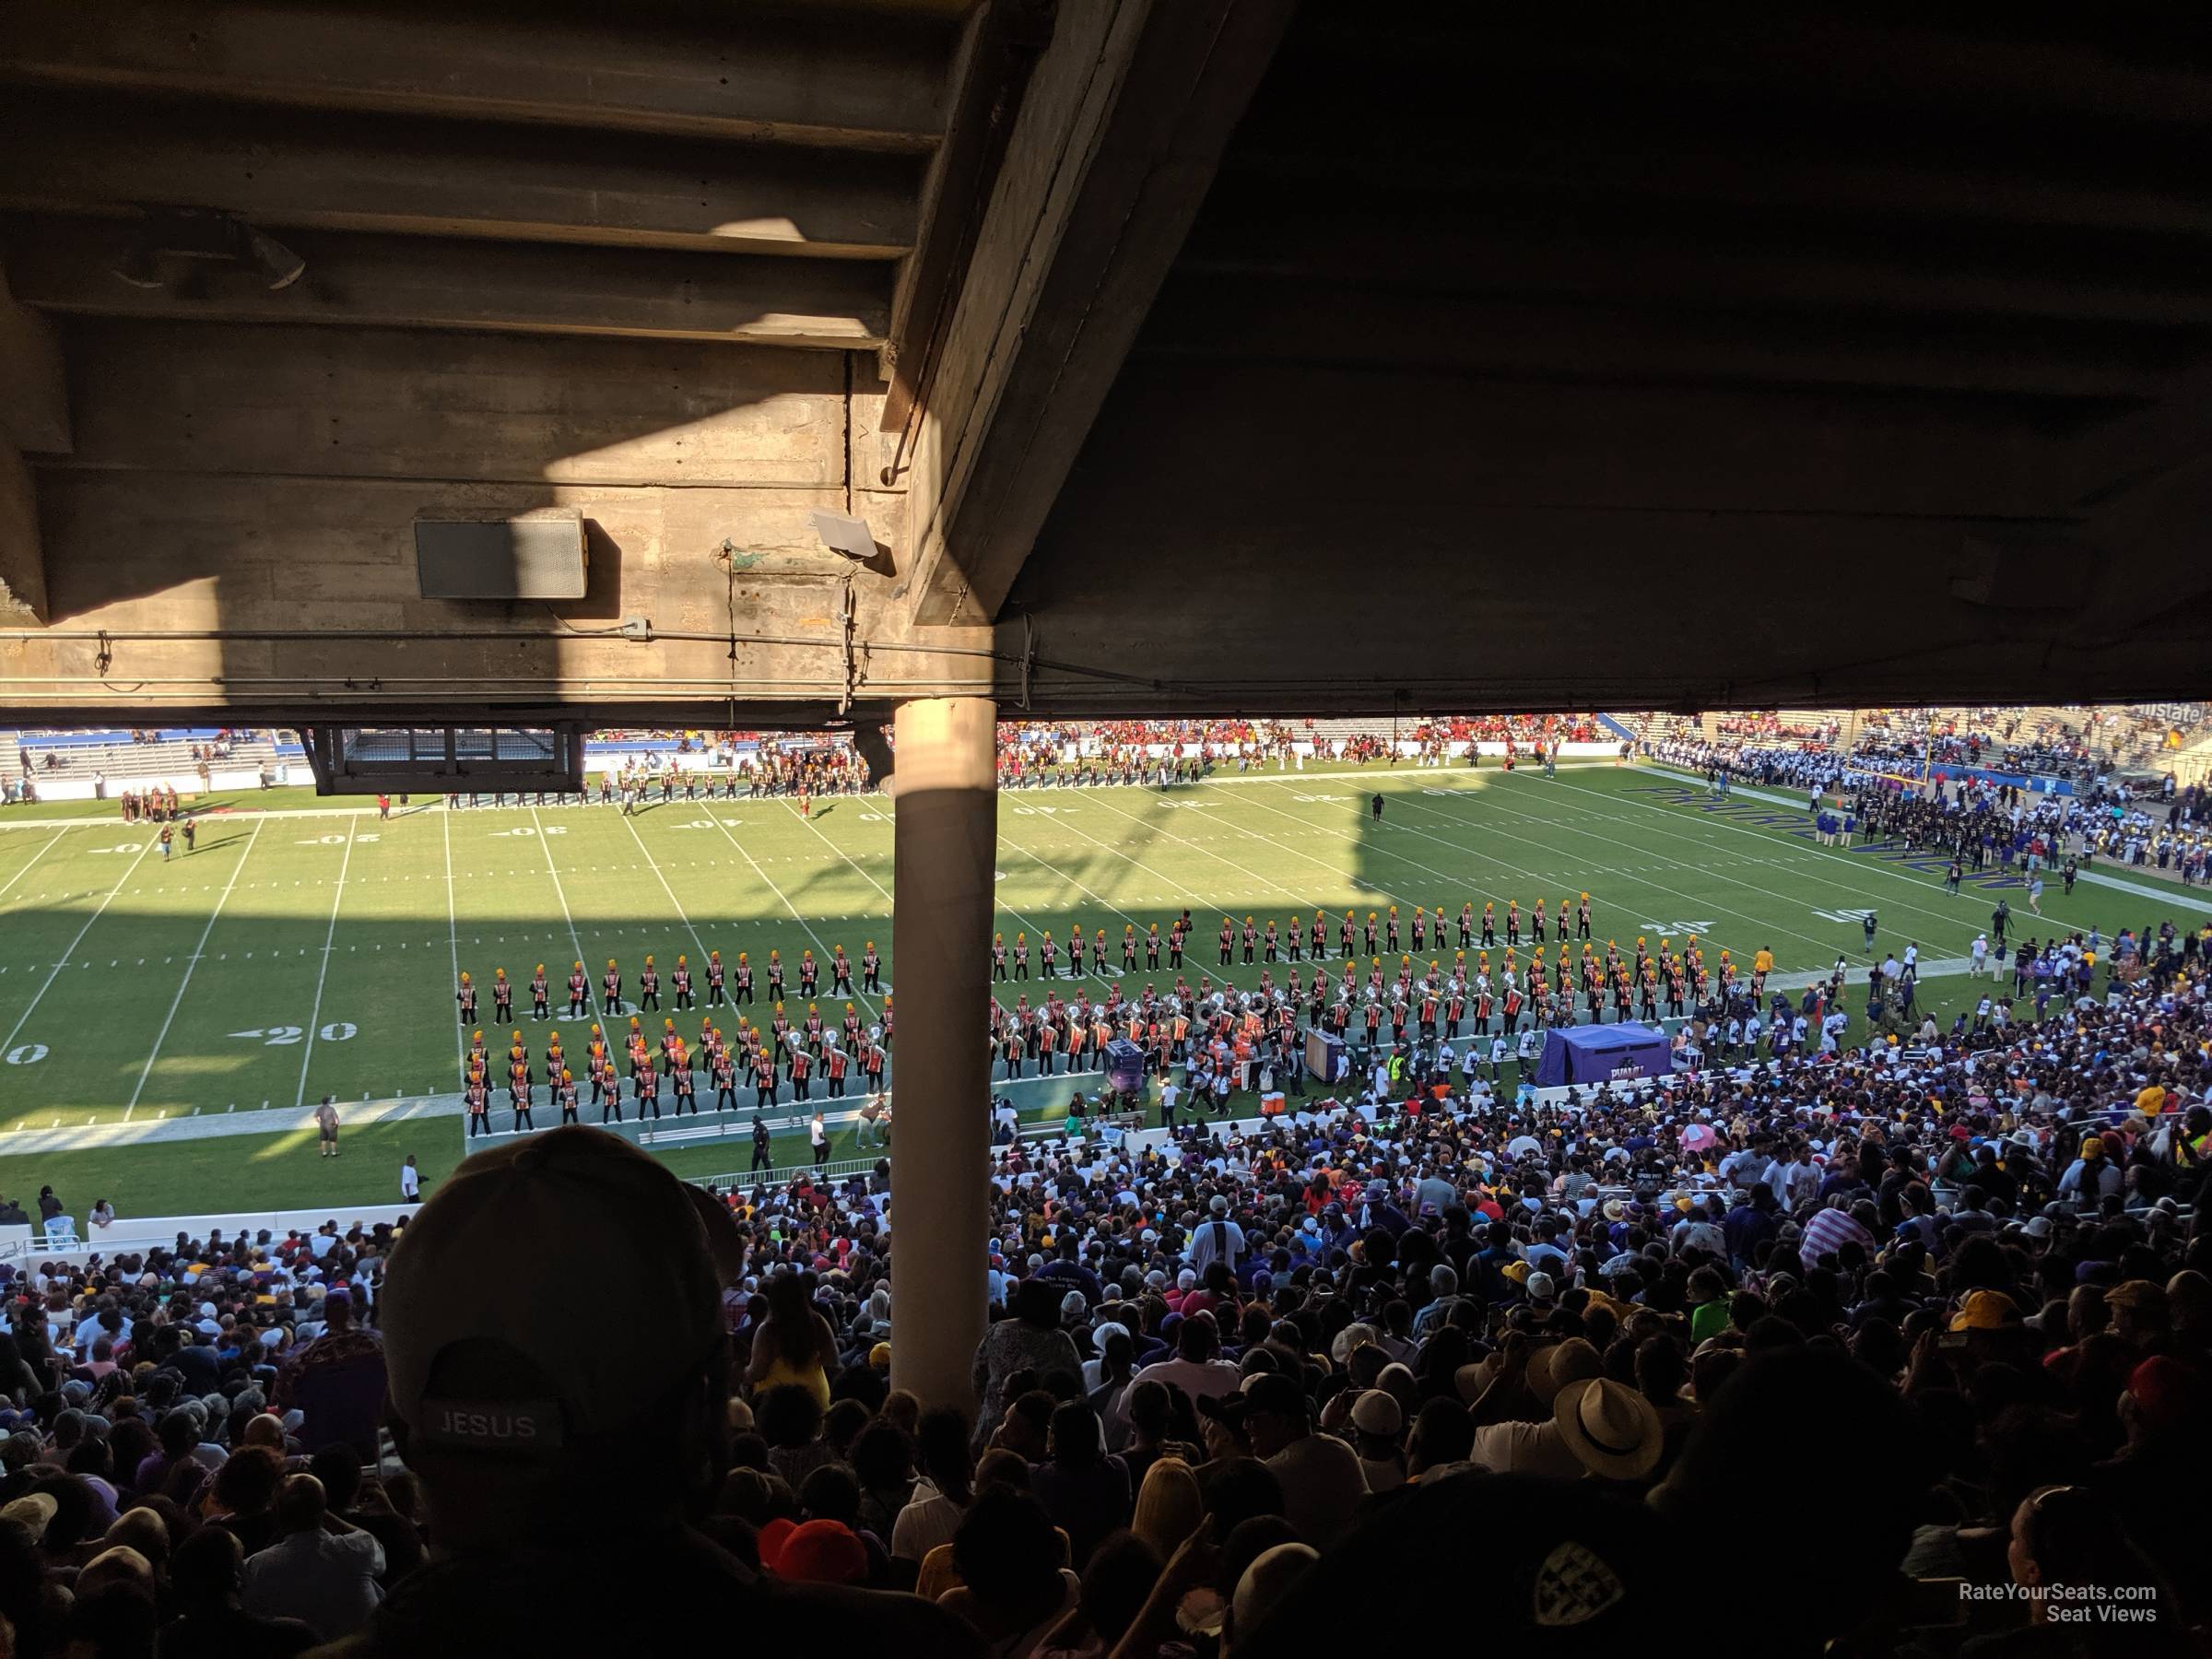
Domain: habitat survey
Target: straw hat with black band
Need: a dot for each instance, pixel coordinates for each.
(1611, 1427)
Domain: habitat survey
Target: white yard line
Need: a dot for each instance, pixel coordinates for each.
(770, 882)
(1304, 903)
(1202, 902)
(559, 892)
(1861, 864)
(1376, 886)
(1772, 836)
(2162, 895)
(453, 926)
(1373, 848)
(1368, 846)
(1234, 779)
(1361, 881)
(785, 1116)
(314, 1017)
(220, 815)
(1948, 919)
(9, 1040)
(630, 824)
(1006, 840)
(1826, 946)
(833, 847)
(1794, 981)
(1735, 788)
(998, 904)
(2187, 897)
(32, 860)
(191, 962)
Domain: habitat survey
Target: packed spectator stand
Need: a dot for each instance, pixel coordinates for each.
(1374, 1330)
(1445, 1349)
(2167, 828)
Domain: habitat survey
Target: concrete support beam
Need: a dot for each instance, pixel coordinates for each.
(1930, 60)
(34, 415)
(1752, 180)
(2138, 450)
(1371, 326)
(1275, 228)
(867, 84)
(947, 839)
(253, 590)
(515, 183)
(1121, 126)
(22, 564)
(34, 391)
(1339, 647)
(407, 403)
(68, 266)
(1180, 443)
(998, 48)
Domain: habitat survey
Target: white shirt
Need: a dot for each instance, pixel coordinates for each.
(1216, 1378)
(410, 1180)
(1799, 1183)
(928, 1520)
(1216, 1239)
(1524, 1448)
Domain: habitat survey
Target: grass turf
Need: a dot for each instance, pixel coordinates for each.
(290, 955)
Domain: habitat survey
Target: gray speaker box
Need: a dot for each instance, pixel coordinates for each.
(541, 556)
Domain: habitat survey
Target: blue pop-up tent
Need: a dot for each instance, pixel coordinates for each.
(1591, 1054)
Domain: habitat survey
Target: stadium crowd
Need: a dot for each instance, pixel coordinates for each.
(1933, 1314)
(2170, 831)
(1036, 754)
(1937, 1310)
(1772, 727)
(1616, 1315)
(1764, 746)
(2087, 746)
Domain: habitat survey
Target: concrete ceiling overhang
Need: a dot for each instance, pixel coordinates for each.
(1224, 355)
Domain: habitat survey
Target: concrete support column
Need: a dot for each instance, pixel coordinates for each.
(945, 806)
(22, 565)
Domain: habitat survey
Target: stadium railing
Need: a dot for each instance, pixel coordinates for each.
(839, 1169)
(134, 1235)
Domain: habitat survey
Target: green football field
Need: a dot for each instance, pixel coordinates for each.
(307, 948)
